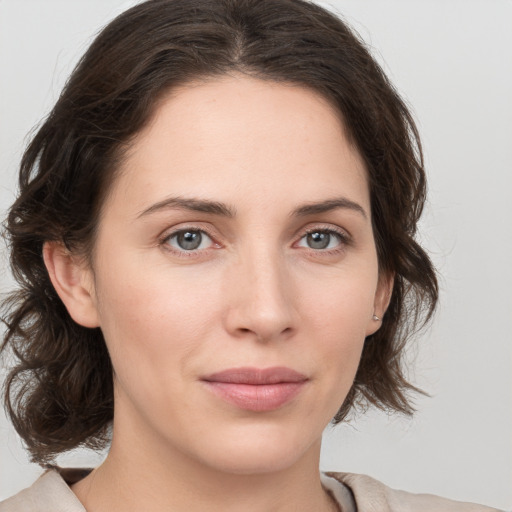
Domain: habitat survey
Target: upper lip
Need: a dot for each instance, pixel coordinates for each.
(256, 376)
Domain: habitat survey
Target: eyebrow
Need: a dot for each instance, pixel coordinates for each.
(191, 204)
(224, 210)
(329, 205)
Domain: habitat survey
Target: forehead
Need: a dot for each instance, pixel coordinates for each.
(240, 134)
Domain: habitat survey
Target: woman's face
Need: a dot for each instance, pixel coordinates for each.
(235, 276)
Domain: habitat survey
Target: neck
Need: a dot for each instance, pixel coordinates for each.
(138, 476)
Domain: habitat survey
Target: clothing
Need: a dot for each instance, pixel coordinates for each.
(354, 493)
(371, 495)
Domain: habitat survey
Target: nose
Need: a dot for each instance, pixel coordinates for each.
(261, 299)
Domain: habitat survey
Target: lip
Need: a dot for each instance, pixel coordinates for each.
(255, 389)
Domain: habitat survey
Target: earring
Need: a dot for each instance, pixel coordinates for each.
(376, 318)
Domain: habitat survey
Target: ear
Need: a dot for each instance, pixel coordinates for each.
(73, 281)
(381, 302)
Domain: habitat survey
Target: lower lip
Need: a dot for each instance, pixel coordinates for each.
(258, 398)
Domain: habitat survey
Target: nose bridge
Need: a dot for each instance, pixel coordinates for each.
(262, 302)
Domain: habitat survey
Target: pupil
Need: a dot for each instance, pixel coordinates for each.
(318, 240)
(189, 240)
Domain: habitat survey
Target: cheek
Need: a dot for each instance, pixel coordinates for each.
(157, 318)
(153, 319)
(338, 318)
(342, 303)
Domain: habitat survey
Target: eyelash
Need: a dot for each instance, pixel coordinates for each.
(344, 241)
(164, 242)
(343, 238)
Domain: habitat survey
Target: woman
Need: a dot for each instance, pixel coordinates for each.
(214, 241)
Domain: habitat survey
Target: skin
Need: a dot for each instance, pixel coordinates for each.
(255, 293)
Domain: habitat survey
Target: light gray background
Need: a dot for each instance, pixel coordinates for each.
(452, 61)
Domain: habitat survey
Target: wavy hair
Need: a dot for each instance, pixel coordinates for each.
(59, 393)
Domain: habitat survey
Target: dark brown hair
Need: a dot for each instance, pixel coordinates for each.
(59, 394)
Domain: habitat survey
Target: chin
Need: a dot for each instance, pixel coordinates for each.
(262, 452)
(255, 464)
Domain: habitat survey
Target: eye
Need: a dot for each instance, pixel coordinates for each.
(189, 240)
(322, 239)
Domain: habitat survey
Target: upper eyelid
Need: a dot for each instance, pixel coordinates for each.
(339, 231)
(342, 232)
(170, 232)
(303, 230)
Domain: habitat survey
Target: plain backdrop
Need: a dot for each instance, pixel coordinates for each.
(451, 60)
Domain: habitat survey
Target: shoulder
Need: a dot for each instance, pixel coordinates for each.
(370, 495)
(49, 493)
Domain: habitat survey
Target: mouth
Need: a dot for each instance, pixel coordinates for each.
(255, 389)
